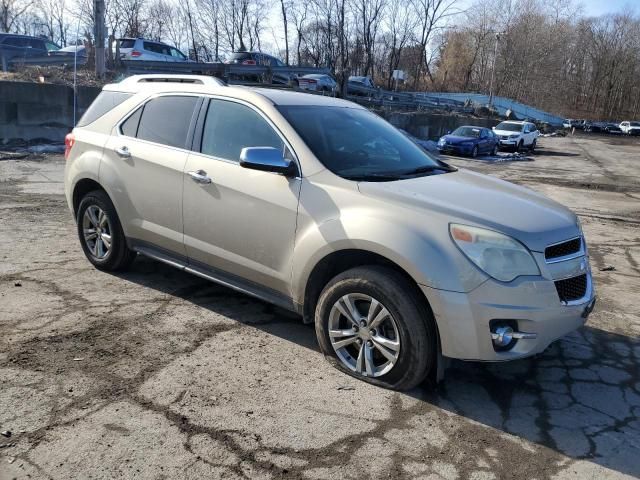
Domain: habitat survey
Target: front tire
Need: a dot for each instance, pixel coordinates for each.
(532, 148)
(372, 324)
(474, 152)
(101, 234)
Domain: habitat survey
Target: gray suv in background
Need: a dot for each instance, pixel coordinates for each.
(319, 206)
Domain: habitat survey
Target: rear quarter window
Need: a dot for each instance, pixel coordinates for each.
(127, 43)
(103, 103)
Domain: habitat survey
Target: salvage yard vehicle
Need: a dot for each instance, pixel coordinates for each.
(471, 141)
(317, 82)
(262, 59)
(612, 129)
(150, 50)
(15, 47)
(630, 128)
(517, 135)
(320, 206)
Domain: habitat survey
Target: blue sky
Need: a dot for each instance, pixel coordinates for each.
(600, 7)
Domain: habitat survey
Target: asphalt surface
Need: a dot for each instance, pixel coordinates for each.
(158, 374)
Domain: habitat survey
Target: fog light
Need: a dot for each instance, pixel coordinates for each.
(502, 336)
(505, 334)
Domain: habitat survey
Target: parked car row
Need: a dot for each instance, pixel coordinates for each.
(615, 128)
(25, 47)
(474, 141)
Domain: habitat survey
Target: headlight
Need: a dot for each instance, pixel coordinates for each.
(514, 136)
(441, 141)
(496, 254)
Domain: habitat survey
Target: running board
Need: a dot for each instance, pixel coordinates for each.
(217, 276)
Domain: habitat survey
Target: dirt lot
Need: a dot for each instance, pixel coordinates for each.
(157, 374)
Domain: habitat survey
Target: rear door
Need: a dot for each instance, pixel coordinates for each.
(241, 222)
(147, 156)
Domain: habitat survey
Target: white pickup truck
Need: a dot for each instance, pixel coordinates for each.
(516, 135)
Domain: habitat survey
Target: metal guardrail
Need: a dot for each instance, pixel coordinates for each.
(223, 70)
(12, 63)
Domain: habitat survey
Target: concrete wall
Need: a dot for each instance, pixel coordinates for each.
(432, 126)
(35, 111)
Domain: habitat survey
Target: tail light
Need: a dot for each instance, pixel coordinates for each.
(311, 81)
(249, 62)
(69, 141)
(135, 53)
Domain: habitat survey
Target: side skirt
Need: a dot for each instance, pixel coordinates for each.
(217, 276)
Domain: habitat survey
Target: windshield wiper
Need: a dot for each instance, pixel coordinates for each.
(374, 177)
(430, 168)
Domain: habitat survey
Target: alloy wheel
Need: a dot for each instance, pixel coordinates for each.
(364, 335)
(97, 232)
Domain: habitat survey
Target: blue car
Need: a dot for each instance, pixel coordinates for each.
(471, 141)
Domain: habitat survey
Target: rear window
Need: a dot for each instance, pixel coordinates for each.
(166, 120)
(103, 103)
(127, 43)
(239, 56)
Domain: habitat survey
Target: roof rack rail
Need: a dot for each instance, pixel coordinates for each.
(134, 82)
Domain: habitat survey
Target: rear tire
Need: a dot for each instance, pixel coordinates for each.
(101, 235)
(404, 324)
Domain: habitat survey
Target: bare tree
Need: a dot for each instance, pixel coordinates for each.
(11, 11)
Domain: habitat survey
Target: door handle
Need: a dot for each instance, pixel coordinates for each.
(123, 152)
(200, 176)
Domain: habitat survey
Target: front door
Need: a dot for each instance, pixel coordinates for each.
(239, 221)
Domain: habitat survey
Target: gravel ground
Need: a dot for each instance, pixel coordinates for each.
(157, 374)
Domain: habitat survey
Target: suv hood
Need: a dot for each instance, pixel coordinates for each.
(484, 201)
(506, 132)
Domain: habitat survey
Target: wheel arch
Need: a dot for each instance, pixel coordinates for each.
(81, 188)
(340, 261)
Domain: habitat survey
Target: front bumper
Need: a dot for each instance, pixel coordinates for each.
(509, 143)
(457, 149)
(464, 319)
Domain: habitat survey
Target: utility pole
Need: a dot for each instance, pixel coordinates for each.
(493, 67)
(99, 34)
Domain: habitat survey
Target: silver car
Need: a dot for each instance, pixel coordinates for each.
(143, 49)
(319, 206)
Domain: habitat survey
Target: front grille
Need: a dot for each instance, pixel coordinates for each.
(572, 288)
(563, 249)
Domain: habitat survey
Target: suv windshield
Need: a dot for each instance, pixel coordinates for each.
(509, 127)
(466, 132)
(358, 145)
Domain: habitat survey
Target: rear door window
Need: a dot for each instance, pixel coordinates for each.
(166, 120)
(103, 103)
(229, 127)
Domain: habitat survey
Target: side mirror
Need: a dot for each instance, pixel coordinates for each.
(266, 159)
(493, 128)
(448, 132)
